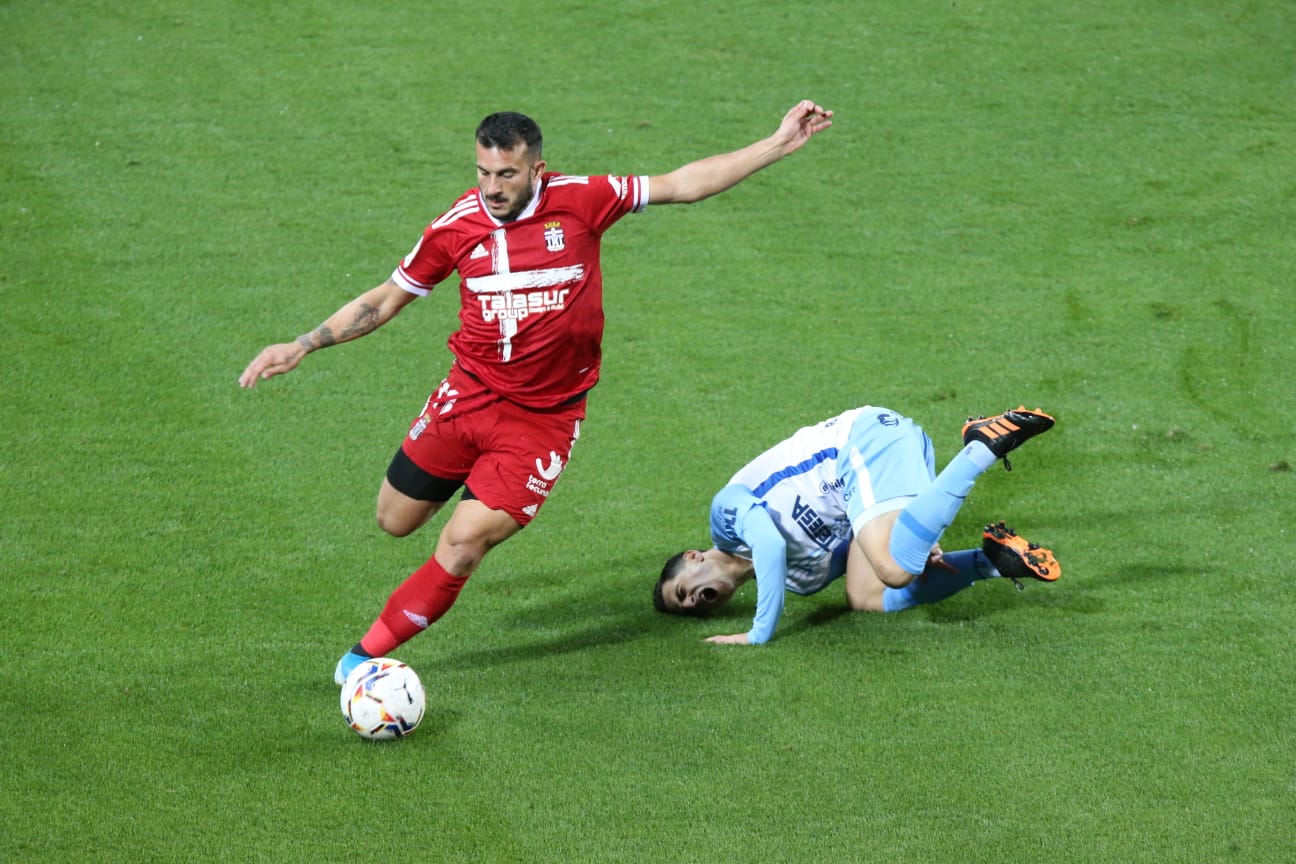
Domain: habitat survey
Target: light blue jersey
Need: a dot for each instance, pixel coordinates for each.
(791, 509)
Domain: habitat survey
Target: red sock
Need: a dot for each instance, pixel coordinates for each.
(421, 599)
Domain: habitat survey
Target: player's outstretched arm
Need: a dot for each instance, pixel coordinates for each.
(769, 558)
(358, 317)
(715, 174)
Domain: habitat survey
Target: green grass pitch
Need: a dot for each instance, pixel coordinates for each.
(1086, 206)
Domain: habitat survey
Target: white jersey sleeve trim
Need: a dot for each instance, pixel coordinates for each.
(398, 276)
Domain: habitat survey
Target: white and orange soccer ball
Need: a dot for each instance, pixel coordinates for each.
(383, 699)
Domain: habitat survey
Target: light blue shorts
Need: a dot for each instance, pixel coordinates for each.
(887, 461)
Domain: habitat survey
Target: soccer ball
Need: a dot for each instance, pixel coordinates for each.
(383, 699)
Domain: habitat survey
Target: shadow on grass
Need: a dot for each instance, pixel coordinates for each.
(991, 598)
(624, 621)
(1142, 574)
(623, 628)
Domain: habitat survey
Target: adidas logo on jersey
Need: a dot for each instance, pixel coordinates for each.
(531, 509)
(479, 252)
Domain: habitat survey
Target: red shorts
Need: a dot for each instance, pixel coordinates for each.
(510, 456)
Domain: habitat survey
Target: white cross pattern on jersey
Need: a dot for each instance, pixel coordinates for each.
(505, 282)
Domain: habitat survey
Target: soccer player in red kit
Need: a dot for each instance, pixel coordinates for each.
(502, 424)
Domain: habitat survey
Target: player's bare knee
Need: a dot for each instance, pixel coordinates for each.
(461, 556)
(402, 521)
(394, 527)
(893, 575)
(395, 521)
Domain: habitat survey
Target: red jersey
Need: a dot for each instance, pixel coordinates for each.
(531, 290)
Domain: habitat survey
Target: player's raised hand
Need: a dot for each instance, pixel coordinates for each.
(804, 120)
(273, 360)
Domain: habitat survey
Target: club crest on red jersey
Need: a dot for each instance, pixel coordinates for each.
(553, 237)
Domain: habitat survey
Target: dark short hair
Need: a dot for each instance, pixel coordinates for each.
(507, 129)
(668, 573)
(674, 564)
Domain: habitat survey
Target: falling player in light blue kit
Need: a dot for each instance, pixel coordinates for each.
(856, 495)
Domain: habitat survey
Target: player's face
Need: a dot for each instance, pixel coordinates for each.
(507, 179)
(699, 586)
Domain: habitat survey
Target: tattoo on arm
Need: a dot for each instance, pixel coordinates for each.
(320, 337)
(365, 321)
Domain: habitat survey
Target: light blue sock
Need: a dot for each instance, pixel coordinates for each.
(937, 582)
(926, 517)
